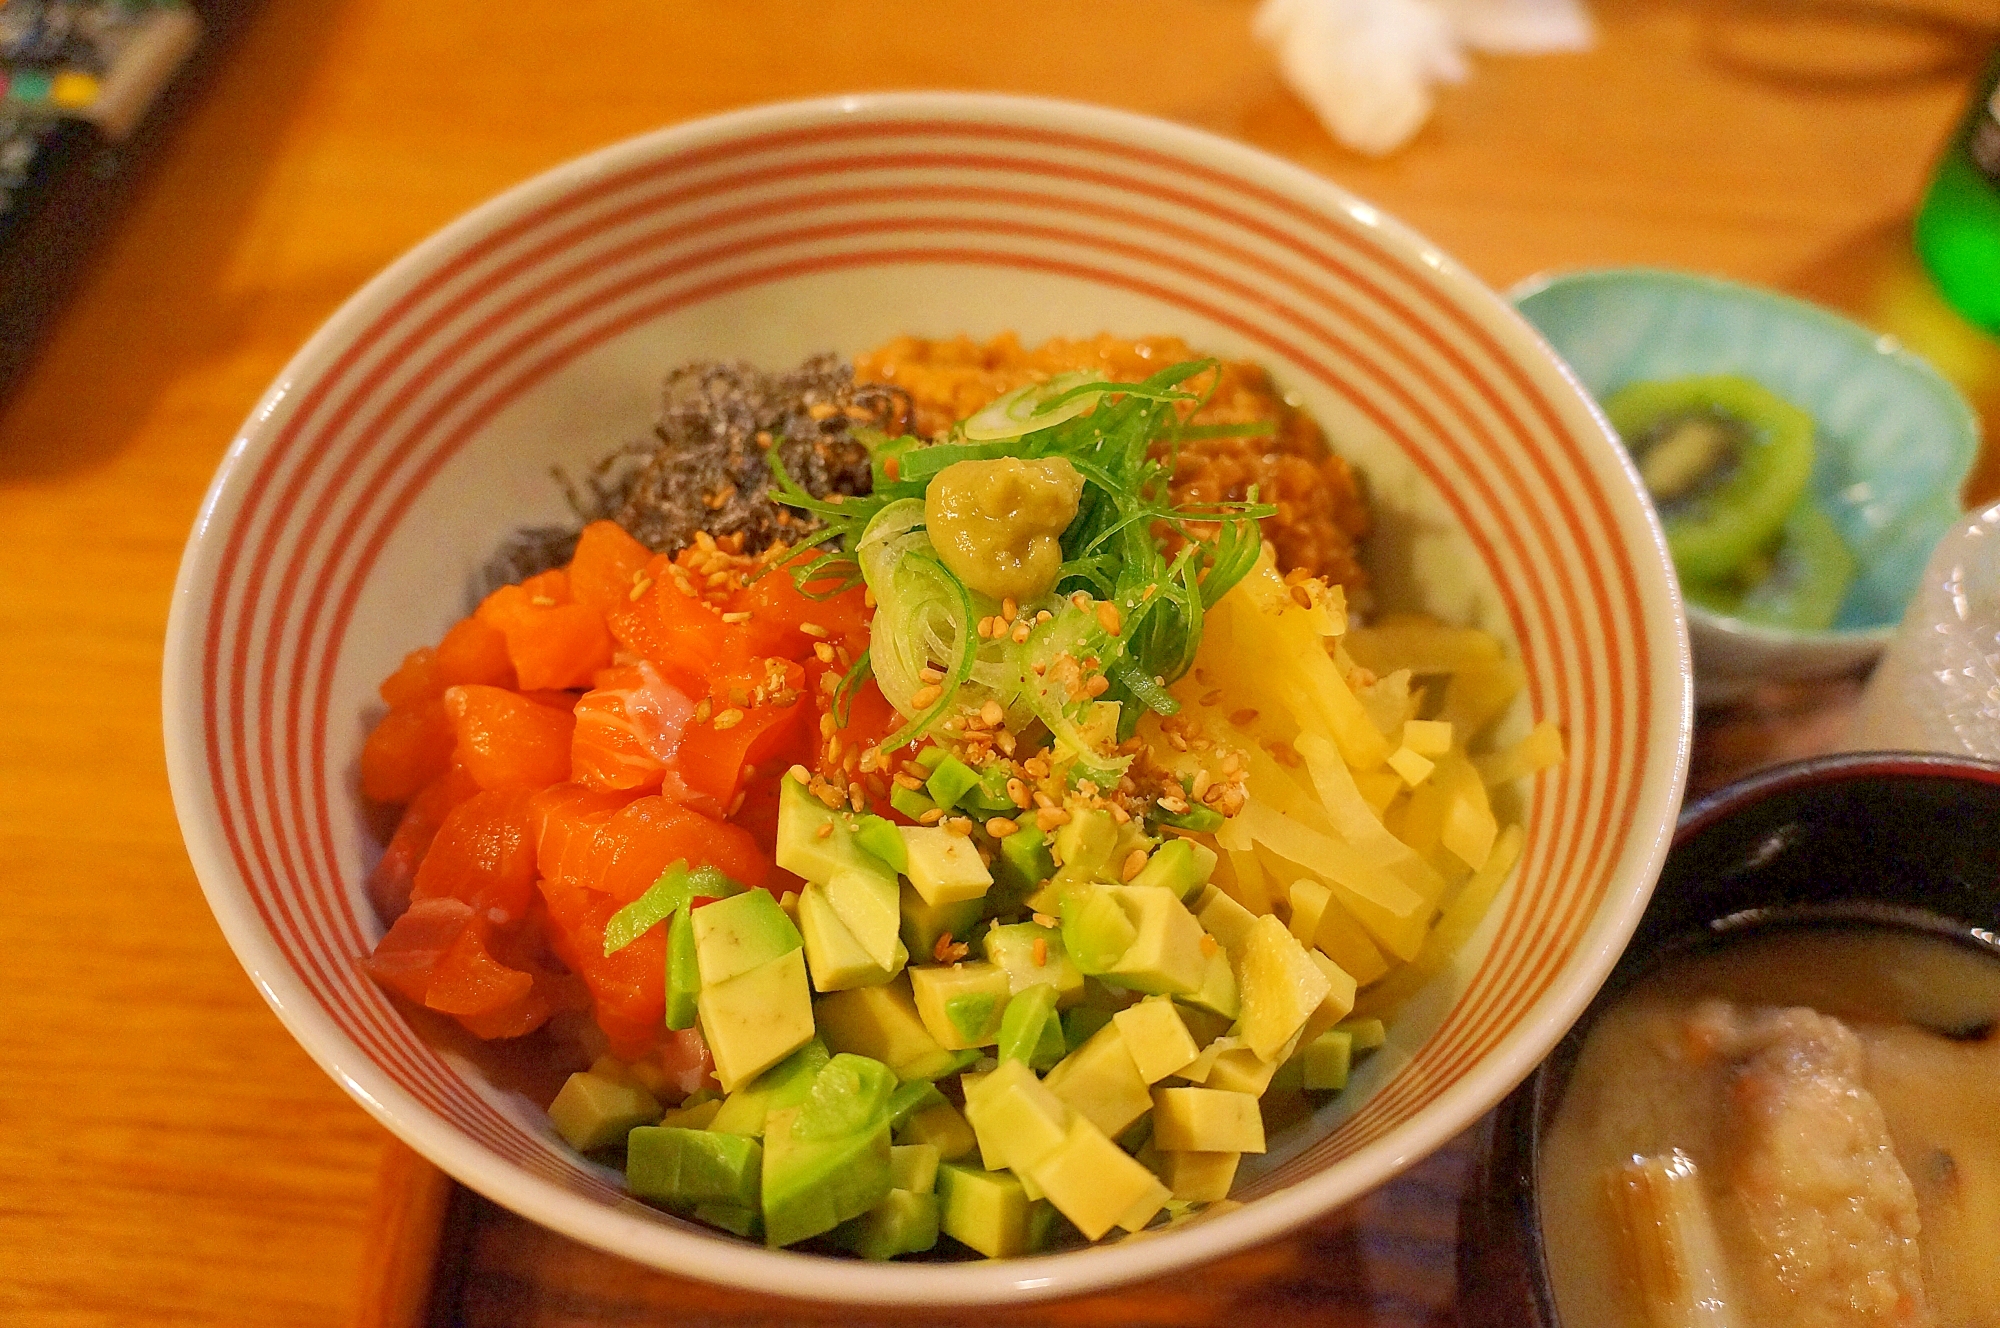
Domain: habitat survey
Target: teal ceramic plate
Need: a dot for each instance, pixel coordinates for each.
(1895, 440)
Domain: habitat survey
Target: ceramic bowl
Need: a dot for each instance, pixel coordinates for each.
(1895, 440)
(416, 429)
(1877, 838)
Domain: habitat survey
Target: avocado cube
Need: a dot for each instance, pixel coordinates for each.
(924, 922)
(1025, 861)
(733, 1218)
(1206, 1120)
(911, 1098)
(942, 1127)
(1013, 947)
(811, 1186)
(1368, 1034)
(950, 781)
(850, 1094)
(806, 847)
(1159, 1042)
(865, 900)
(734, 935)
(1203, 1025)
(1219, 995)
(1176, 866)
(883, 1023)
(990, 1212)
(682, 1168)
(836, 960)
(962, 1004)
(1327, 1059)
(694, 1115)
(1240, 1070)
(1198, 1177)
(1166, 955)
(913, 1167)
(1083, 846)
(1281, 987)
(911, 804)
(1223, 918)
(1030, 1030)
(595, 1111)
(878, 836)
(1100, 1080)
(1017, 1119)
(785, 1084)
(683, 970)
(757, 1018)
(944, 867)
(1096, 929)
(1096, 1185)
(1082, 1023)
(1339, 999)
(903, 1223)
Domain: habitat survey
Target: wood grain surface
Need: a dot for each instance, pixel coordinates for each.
(170, 1155)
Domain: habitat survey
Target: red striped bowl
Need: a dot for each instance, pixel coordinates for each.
(417, 428)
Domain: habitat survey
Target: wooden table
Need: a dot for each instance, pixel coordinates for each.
(169, 1154)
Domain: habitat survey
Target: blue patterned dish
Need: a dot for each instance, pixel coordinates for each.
(1895, 440)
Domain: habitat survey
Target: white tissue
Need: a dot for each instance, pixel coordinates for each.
(1368, 67)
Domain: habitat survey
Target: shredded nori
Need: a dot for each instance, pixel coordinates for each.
(705, 468)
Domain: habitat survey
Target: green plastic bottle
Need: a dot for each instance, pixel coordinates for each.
(1958, 227)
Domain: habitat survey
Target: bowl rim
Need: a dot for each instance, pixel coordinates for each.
(1967, 435)
(725, 1260)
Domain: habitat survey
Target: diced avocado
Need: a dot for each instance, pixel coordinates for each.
(1281, 987)
(1219, 995)
(757, 1018)
(1096, 1185)
(924, 922)
(594, 1111)
(683, 970)
(1081, 1024)
(807, 847)
(911, 804)
(1197, 1177)
(911, 1098)
(1100, 1080)
(990, 1212)
(733, 1218)
(865, 900)
(1030, 1030)
(950, 781)
(941, 1126)
(961, 1004)
(882, 1023)
(1013, 947)
(1200, 819)
(903, 1223)
(879, 837)
(682, 1168)
(692, 1115)
(913, 1167)
(1325, 1062)
(813, 1185)
(1206, 1120)
(1083, 846)
(1368, 1034)
(1096, 930)
(1166, 955)
(1017, 1119)
(783, 1085)
(836, 959)
(733, 936)
(927, 758)
(1138, 1134)
(1203, 1025)
(1159, 1042)
(1024, 862)
(1175, 866)
(944, 867)
(1339, 999)
(1240, 1070)
(849, 1094)
(1223, 918)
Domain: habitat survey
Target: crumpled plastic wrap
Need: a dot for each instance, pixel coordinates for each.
(1370, 68)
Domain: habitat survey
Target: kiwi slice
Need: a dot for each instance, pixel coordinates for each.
(1798, 583)
(1725, 459)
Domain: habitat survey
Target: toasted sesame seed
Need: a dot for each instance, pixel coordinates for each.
(822, 410)
(1017, 793)
(1108, 619)
(1009, 610)
(1208, 945)
(1044, 920)
(992, 713)
(1302, 597)
(1243, 718)
(729, 718)
(640, 586)
(959, 825)
(739, 616)
(702, 710)
(1000, 827)
(1048, 818)
(924, 697)
(985, 628)
(823, 652)
(1173, 804)
(1041, 952)
(1212, 697)
(1080, 601)
(1043, 616)
(1097, 686)
(542, 602)
(1135, 862)
(1020, 633)
(931, 817)
(892, 468)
